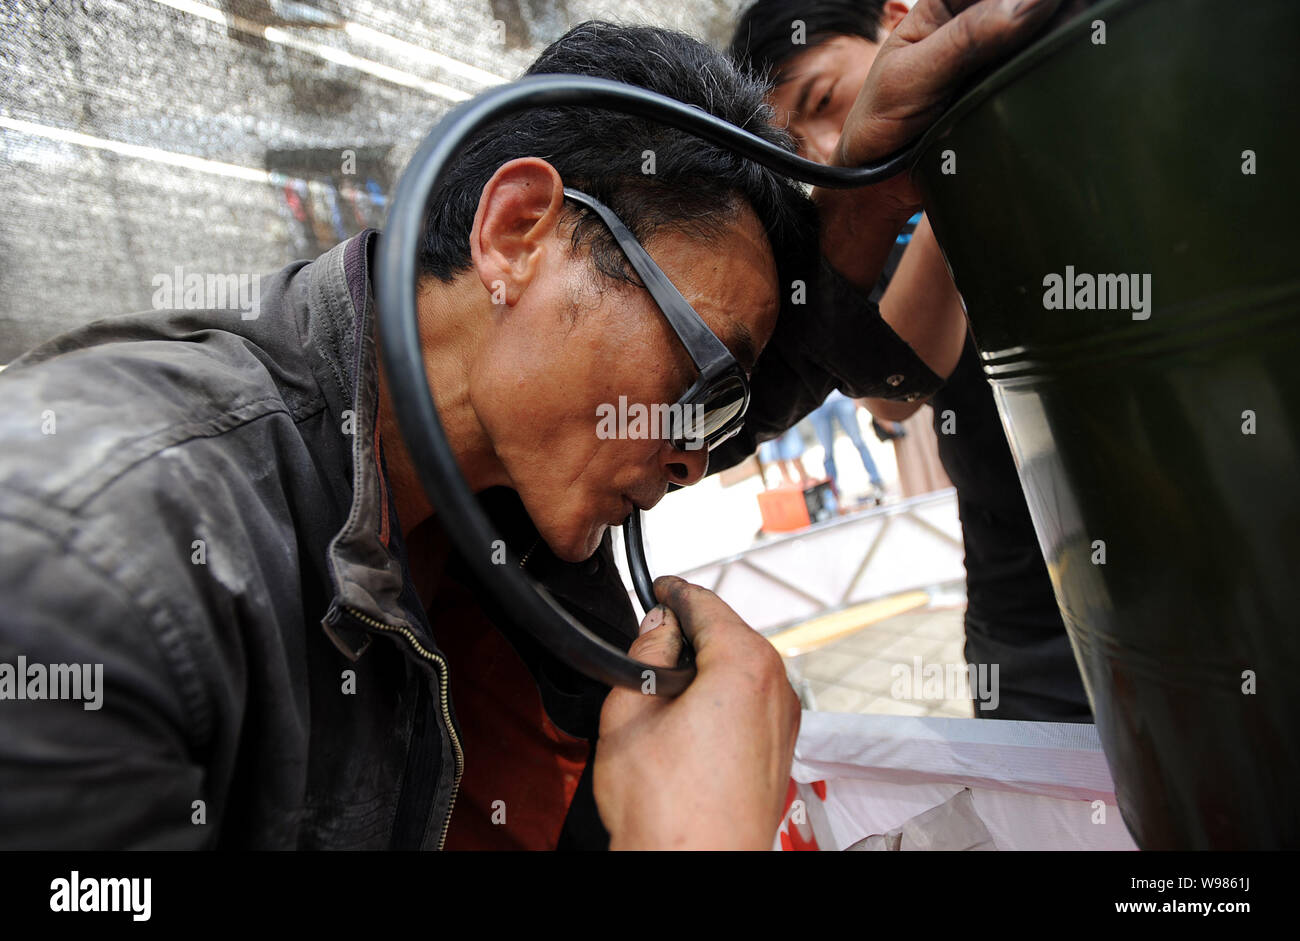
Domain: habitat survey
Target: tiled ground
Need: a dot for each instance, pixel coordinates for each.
(857, 673)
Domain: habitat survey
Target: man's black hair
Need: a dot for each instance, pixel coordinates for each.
(764, 40)
(696, 187)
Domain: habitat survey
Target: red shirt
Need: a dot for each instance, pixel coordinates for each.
(520, 770)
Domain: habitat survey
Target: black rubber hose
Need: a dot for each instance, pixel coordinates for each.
(417, 414)
(634, 544)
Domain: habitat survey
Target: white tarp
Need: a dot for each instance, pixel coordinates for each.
(899, 782)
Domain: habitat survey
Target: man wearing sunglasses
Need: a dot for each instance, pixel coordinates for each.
(713, 408)
(226, 519)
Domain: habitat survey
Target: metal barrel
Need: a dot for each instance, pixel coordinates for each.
(1119, 207)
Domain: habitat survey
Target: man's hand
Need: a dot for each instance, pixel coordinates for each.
(709, 769)
(926, 59)
(923, 63)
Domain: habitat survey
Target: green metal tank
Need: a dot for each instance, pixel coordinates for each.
(1119, 208)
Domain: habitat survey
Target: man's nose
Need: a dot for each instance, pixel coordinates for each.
(821, 144)
(684, 467)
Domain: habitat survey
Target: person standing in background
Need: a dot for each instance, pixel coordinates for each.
(840, 409)
(785, 452)
(920, 471)
(1011, 617)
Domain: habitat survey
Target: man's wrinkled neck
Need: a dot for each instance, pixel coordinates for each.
(450, 344)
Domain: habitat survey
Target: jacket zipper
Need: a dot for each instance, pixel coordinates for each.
(443, 675)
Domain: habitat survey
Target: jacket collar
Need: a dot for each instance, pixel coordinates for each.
(364, 558)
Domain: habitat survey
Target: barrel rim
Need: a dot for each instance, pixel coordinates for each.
(1032, 56)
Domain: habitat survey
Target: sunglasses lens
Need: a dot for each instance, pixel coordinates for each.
(723, 409)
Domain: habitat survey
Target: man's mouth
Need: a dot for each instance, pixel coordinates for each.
(628, 504)
(645, 503)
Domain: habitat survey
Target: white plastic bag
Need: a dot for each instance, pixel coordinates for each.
(898, 782)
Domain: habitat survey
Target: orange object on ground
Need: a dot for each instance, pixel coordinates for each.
(784, 509)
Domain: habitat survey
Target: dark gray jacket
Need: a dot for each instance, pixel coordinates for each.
(198, 503)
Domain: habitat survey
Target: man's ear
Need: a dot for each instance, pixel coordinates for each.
(891, 15)
(518, 210)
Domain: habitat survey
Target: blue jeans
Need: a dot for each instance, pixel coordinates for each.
(785, 448)
(839, 408)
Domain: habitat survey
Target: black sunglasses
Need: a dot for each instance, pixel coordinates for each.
(713, 408)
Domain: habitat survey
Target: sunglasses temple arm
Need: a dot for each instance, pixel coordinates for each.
(690, 329)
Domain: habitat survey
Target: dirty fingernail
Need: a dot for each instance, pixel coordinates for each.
(654, 617)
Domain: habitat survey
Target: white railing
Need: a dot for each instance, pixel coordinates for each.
(790, 578)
